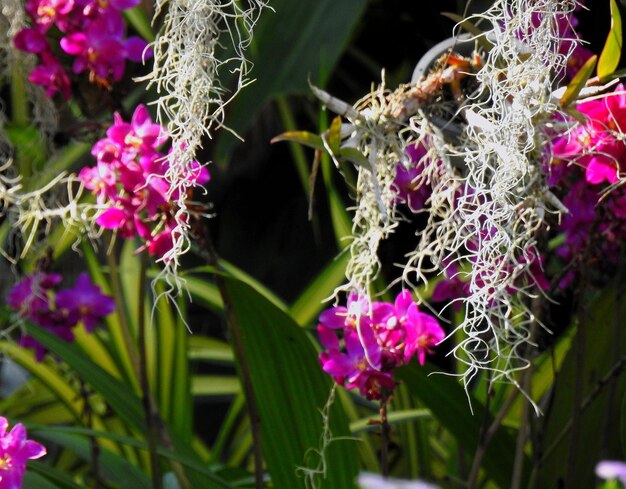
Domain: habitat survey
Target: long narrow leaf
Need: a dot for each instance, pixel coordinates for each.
(290, 391)
(612, 51)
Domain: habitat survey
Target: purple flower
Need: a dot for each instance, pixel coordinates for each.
(375, 481)
(36, 299)
(99, 49)
(612, 469)
(15, 451)
(139, 136)
(30, 297)
(85, 302)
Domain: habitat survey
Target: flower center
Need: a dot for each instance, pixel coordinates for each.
(6, 463)
(46, 12)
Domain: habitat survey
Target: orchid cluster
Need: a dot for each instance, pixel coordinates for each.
(130, 184)
(37, 299)
(15, 451)
(587, 164)
(364, 342)
(92, 32)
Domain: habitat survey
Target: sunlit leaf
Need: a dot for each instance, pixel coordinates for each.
(394, 418)
(612, 51)
(310, 302)
(333, 136)
(303, 137)
(578, 82)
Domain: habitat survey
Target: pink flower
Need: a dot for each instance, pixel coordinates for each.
(101, 179)
(129, 180)
(139, 136)
(15, 451)
(51, 76)
(45, 13)
(422, 334)
(612, 470)
(598, 145)
(365, 342)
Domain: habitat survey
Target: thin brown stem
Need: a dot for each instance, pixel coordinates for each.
(244, 367)
(385, 431)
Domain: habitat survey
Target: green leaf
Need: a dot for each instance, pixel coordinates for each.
(34, 480)
(124, 403)
(59, 163)
(578, 82)
(313, 34)
(354, 156)
(303, 137)
(51, 474)
(127, 406)
(215, 385)
(64, 432)
(333, 136)
(612, 51)
(141, 23)
(394, 418)
(210, 350)
(290, 390)
(48, 376)
(623, 426)
(448, 403)
(30, 147)
(603, 345)
(311, 301)
(114, 467)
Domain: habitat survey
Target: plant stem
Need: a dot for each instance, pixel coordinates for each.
(385, 430)
(147, 401)
(246, 375)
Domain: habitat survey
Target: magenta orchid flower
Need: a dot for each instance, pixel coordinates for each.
(598, 145)
(363, 343)
(99, 49)
(15, 451)
(47, 13)
(51, 75)
(131, 184)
